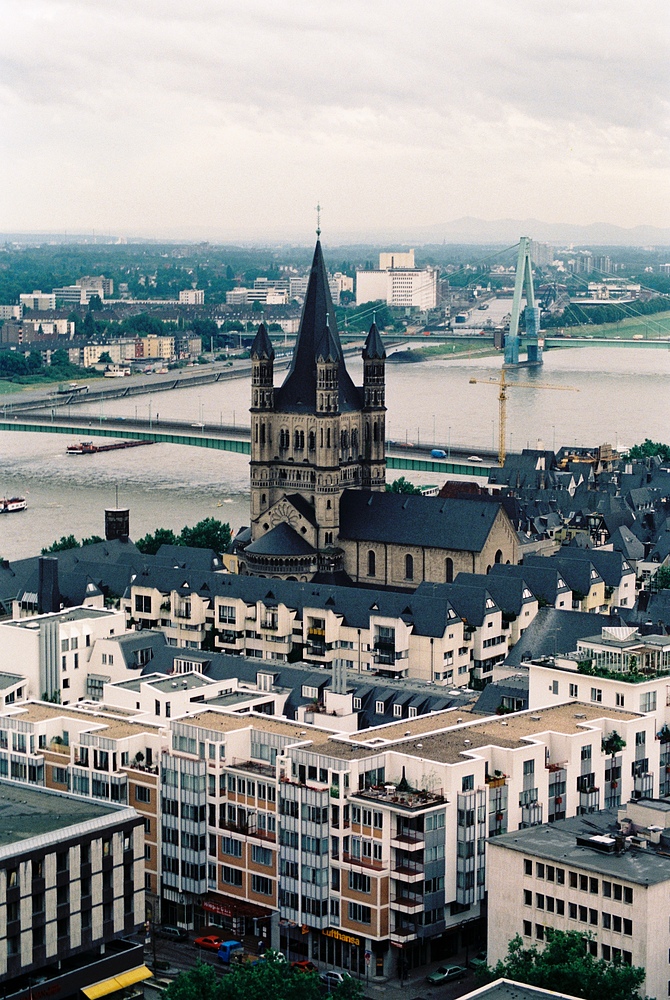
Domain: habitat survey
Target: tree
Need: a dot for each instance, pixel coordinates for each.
(64, 542)
(150, 544)
(649, 449)
(206, 534)
(95, 304)
(402, 485)
(565, 966)
(105, 358)
(661, 579)
(271, 977)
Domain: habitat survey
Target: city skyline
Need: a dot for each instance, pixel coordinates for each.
(232, 121)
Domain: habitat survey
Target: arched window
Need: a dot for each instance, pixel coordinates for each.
(328, 437)
(262, 433)
(375, 431)
(372, 563)
(311, 440)
(449, 570)
(498, 556)
(409, 566)
(329, 505)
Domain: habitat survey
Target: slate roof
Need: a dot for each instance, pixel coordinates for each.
(625, 541)
(298, 392)
(374, 349)
(543, 579)
(222, 666)
(468, 602)
(303, 506)
(506, 590)
(556, 631)
(611, 565)
(491, 697)
(262, 349)
(575, 572)
(407, 519)
(281, 540)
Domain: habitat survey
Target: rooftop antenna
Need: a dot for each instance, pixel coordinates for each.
(318, 221)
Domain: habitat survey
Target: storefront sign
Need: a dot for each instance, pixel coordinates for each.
(332, 932)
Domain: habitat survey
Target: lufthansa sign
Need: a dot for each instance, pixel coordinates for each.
(339, 936)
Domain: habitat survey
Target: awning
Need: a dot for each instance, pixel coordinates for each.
(117, 982)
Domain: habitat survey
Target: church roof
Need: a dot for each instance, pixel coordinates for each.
(374, 349)
(281, 541)
(298, 393)
(406, 519)
(262, 348)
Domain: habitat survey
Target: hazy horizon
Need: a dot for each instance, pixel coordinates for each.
(230, 119)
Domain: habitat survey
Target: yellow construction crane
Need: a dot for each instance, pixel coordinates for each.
(503, 386)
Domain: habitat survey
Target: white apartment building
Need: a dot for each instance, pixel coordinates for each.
(402, 287)
(593, 878)
(192, 297)
(38, 301)
(53, 652)
(371, 841)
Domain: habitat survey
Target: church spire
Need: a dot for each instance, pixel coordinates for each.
(298, 393)
(374, 349)
(262, 349)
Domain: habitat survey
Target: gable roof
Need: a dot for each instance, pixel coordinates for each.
(413, 519)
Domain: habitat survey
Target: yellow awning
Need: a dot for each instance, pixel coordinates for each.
(117, 982)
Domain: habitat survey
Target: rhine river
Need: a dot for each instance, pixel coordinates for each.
(623, 397)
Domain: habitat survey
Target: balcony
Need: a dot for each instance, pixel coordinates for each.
(408, 869)
(407, 840)
(350, 859)
(392, 796)
(407, 902)
(401, 935)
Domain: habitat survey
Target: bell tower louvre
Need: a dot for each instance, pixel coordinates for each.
(312, 438)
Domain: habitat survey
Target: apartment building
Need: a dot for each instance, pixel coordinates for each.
(38, 301)
(53, 652)
(591, 877)
(370, 841)
(101, 755)
(424, 635)
(71, 884)
(192, 297)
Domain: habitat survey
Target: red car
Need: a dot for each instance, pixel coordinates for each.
(304, 966)
(210, 942)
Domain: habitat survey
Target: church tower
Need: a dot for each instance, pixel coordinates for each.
(374, 393)
(313, 437)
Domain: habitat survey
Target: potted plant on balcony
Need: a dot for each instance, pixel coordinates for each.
(612, 745)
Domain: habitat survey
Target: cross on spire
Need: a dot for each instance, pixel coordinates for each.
(318, 221)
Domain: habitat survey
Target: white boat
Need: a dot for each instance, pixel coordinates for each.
(9, 505)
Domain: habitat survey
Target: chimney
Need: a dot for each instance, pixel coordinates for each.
(48, 594)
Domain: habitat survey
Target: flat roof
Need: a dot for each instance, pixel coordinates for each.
(229, 723)
(69, 615)
(27, 812)
(114, 728)
(558, 842)
(448, 745)
(180, 682)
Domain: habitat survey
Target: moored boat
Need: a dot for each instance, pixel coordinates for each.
(9, 505)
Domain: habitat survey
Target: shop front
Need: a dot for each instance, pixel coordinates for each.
(346, 952)
(237, 916)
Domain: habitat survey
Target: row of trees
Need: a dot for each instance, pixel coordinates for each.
(564, 965)
(29, 368)
(206, 534)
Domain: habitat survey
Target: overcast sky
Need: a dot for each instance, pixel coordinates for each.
(230, 118)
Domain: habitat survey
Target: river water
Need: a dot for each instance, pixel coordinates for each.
(622, 398)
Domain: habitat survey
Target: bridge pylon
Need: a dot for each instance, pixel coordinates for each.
(524, 285)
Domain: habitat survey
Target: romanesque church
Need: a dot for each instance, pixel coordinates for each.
(319, 510)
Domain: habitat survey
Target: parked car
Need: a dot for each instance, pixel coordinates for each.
(171, 932)
(446, 974)
(304, 966)
(210, 942)
(474, 458)
(332, 978)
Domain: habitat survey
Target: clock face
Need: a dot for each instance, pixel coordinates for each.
(284, 511)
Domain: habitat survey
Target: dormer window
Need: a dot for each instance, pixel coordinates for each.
(379, 707)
